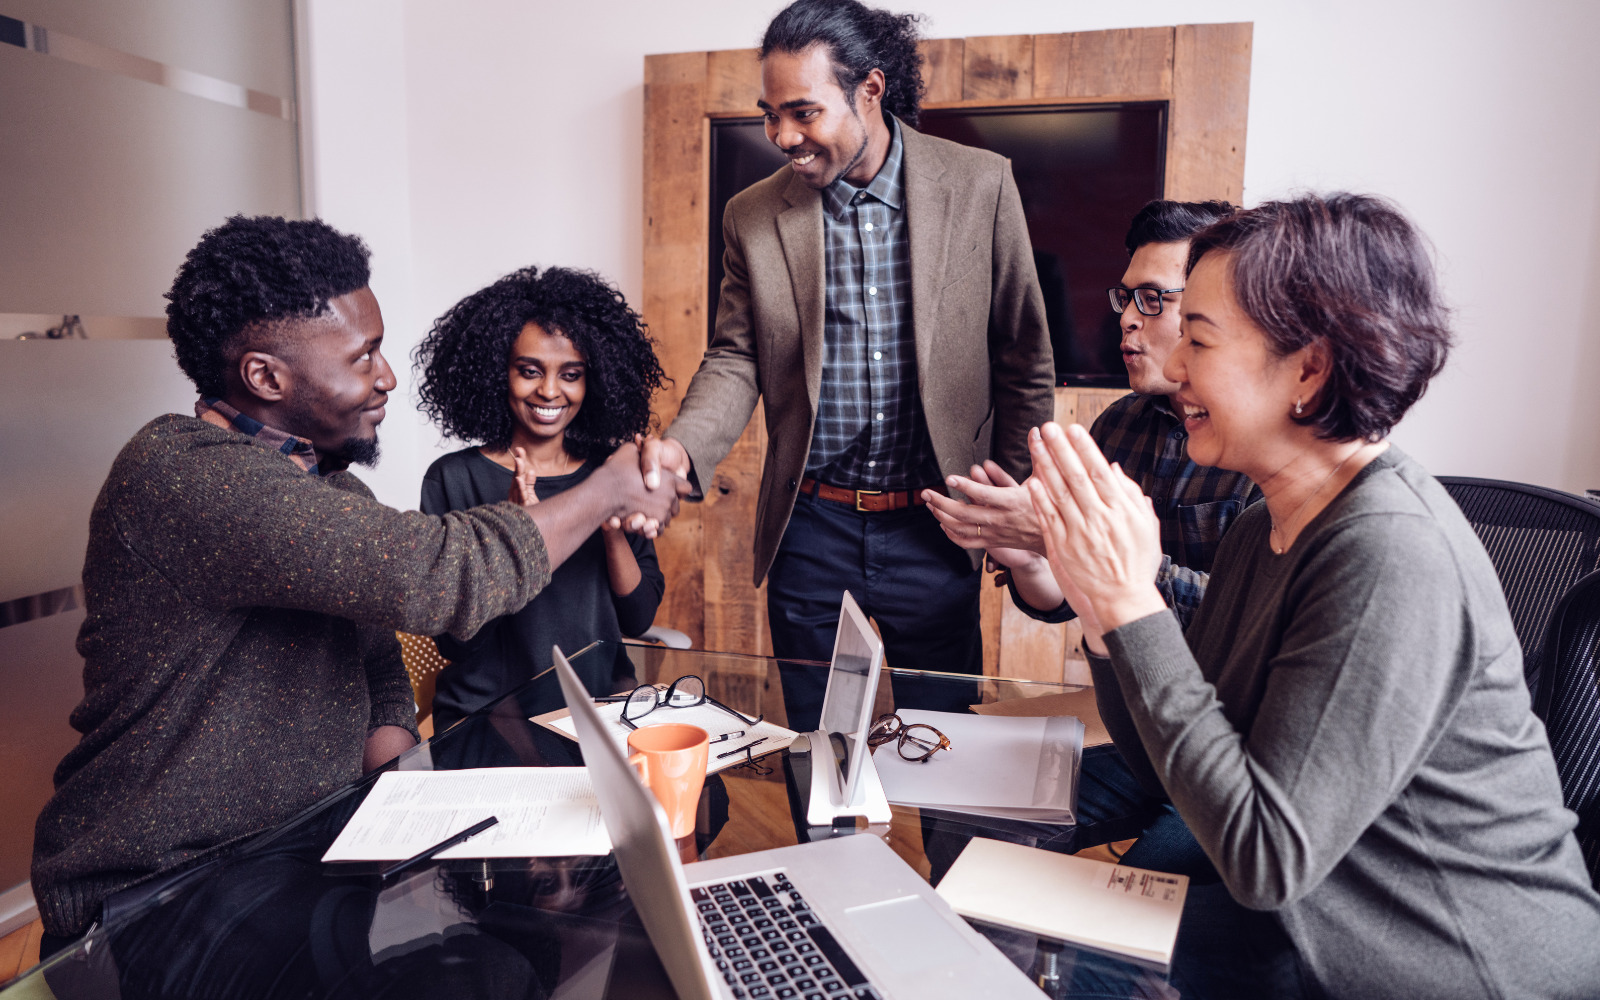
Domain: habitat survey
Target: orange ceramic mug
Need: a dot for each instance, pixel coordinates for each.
(671, 760)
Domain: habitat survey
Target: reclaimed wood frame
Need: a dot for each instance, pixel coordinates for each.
(1202, 71)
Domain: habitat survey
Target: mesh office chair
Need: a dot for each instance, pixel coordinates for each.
(1541, 542)
(1568, 700)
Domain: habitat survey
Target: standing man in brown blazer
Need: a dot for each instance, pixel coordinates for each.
(881, 297)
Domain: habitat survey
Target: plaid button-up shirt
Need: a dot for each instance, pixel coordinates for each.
(1195, 503)
(300, 451)
(870, 432)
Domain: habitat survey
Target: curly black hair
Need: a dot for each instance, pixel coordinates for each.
(248, 274)
(464, 360)
(861, 38)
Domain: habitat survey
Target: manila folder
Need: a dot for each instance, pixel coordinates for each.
(1124, 911)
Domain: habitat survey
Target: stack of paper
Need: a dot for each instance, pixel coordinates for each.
(1124, 911)
(543, 812)
(1008, 768)
(730, 736)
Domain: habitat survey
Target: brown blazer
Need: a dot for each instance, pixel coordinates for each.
(983, 351)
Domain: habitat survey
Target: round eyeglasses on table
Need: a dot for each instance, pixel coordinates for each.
(685, 692)
(1147, 300)
(916, 742)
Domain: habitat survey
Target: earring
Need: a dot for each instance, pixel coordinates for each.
(1298, 409)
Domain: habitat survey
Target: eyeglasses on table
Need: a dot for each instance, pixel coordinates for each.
(916, 742)
(685, 692)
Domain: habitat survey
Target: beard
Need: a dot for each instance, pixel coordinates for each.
(356, 451)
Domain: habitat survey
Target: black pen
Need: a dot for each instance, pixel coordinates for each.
(743, 749)
(443, 845)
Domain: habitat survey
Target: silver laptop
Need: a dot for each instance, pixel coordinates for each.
(840, 918)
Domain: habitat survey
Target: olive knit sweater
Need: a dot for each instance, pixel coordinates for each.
(240, 645)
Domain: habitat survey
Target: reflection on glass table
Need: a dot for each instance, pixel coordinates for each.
(266, 918)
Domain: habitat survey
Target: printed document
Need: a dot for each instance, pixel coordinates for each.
(544, 812)
(762, 738)
(1005, 767)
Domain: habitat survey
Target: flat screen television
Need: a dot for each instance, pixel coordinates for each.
(1082, 172)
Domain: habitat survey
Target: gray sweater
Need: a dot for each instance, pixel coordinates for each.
(1351, 742)
(239, 646)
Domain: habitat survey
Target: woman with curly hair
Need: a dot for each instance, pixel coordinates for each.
(550, 371)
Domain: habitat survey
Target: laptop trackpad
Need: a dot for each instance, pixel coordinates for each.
(902, 933)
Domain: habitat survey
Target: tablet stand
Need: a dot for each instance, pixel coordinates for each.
(824, 806)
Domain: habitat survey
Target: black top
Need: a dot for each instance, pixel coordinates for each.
(576, 608)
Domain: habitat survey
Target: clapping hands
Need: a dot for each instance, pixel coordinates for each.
(1100, 531)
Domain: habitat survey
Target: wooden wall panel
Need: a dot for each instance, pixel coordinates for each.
(1210, 104)
(733, 82)
(675, 240)
(941, 69)
(997, 68)
(1124, 62)
(735, 612)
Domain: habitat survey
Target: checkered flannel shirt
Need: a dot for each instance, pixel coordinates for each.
(300, 451)
(870, 432)
(1194, 503)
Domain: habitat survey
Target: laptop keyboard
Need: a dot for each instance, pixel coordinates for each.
(768, 944)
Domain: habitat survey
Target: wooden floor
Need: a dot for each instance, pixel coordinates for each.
(19, 951)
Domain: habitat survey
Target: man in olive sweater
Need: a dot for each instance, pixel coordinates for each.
(243, 589)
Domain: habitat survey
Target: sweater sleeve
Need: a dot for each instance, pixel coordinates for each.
(1355, 693)
(637, 611)
(244, 527)
(388, 686)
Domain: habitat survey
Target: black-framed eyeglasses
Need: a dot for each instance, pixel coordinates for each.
(916, 742)
(685, 692)
(1148, 301)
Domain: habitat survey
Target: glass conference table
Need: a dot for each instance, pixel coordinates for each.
(265, 918)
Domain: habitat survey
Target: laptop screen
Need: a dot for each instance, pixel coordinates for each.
(852, 686)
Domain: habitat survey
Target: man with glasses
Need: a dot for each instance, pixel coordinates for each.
(1140, 431)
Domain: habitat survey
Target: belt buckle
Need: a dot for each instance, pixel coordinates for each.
(865, 493)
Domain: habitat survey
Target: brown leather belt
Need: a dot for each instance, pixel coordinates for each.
(872, 501)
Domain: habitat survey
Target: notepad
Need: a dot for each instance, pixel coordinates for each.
(762, 738)
(1128, 912)
(544, 812)
(1022, 768)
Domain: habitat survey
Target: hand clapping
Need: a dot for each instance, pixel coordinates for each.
(1100, 531)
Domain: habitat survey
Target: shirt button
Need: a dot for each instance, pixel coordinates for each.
(877, 416)
(873, 290)
(877, 355)
(869, 227)
(872, 464)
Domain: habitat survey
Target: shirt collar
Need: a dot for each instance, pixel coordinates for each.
(888, 186)
(300, 451)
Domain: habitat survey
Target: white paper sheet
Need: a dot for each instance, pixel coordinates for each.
(544, 812)
(712, 719)
(1017, 767)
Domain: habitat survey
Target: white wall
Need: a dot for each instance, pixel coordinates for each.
(467, 139)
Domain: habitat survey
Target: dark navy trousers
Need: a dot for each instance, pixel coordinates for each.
(919, 587)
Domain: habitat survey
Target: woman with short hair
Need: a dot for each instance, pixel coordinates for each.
(1345, 727)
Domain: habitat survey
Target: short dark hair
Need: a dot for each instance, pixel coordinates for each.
(250, 273)
(860, 39)
(1351, 271)
(464, 360)
(1163, 221)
